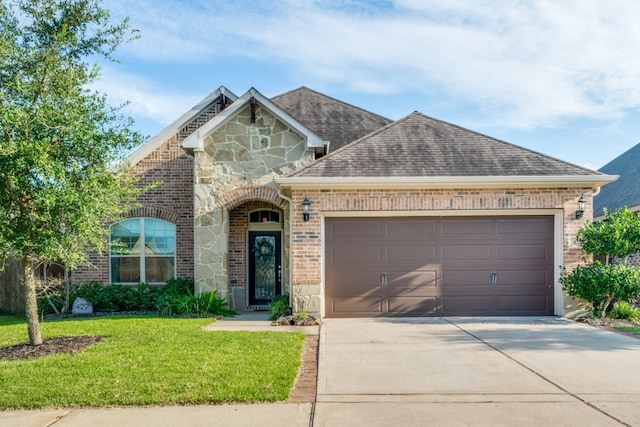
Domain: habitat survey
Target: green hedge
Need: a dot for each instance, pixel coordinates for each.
(176, 297)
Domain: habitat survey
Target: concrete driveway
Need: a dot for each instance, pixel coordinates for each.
(475, 371)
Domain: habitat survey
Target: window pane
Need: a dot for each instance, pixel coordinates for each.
(264, 216)
(125, 237)
(159, 269)
(160, 237)
(125, 269)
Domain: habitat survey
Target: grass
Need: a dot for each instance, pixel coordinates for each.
(149, 361)
(632, 329)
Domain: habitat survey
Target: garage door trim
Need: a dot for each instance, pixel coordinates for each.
(558, 218)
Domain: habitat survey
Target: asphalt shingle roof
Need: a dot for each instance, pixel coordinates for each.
(626, 190)
(421, 146)
(333, 120)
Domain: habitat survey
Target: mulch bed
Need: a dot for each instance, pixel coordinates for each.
(57, 345)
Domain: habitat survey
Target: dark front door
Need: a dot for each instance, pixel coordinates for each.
(265, 268)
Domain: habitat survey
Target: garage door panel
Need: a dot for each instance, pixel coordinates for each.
(466, 228)
(525, 278)
(523, 304)
(412, 283)
(534, 227)
(355, 230)
(466, 305)
(364, 306)
(413, 306)
(411, 229)
(457, 278)
(355, 282)
(414, 254)
(356, 255)
(467, 253)
(514, 251)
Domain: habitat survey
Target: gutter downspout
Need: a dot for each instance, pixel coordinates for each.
(290, 273)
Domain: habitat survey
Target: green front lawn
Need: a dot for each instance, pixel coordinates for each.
(149, 361)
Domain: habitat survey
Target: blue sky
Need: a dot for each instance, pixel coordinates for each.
(561, 77)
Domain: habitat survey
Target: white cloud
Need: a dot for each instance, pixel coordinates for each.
(523, 64)
(145, 100)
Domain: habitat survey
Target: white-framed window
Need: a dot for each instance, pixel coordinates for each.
(142, 250)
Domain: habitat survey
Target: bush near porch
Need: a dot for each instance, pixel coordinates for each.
(149, 361)
(175, 298)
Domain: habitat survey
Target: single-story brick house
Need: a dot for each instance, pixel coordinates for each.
(350, 213)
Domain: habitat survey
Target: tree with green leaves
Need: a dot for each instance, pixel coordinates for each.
(615, 238)
(61, 143)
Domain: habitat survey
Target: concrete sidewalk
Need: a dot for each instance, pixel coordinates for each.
(426, 371)
(268, 415)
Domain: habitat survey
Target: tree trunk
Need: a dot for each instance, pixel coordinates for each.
(30, 301)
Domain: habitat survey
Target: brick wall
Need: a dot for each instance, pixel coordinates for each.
(171, 200)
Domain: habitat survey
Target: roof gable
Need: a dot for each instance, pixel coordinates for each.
(626, 190)
(333, 120)
(150, 145)
(195, 141)
(421, 148)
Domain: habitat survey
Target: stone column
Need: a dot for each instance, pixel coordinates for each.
(211, 240)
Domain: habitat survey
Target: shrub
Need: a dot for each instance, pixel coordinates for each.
(601, 283)
(206, 304)
(90, 291)
(178, 286)
(279, 306)
(175, 298)
(142, 297)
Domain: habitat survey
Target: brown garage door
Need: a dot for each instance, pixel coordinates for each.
(439, 266)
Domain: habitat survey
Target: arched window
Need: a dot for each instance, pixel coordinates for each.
(142, 250)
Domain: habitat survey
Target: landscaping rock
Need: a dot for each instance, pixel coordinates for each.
(81, 306)
(297, 321)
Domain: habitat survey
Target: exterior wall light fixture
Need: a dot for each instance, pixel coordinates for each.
(305, 209)
(581, 204)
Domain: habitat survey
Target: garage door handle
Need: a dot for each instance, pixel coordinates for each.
(494, 277)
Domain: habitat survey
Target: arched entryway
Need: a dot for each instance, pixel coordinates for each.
(256, 254)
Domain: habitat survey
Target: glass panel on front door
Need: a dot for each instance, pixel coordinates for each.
(265, 270)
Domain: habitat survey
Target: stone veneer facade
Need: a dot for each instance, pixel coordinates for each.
(307, 237)
(234, 174)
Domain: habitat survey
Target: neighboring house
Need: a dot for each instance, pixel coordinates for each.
(413, 217)
(625, 191)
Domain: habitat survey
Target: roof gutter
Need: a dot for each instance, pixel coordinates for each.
(440, 182)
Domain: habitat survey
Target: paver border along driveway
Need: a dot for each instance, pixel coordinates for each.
(476, 371)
